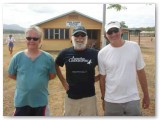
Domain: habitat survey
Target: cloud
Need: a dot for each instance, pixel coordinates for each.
(138, 15)
(42, 8)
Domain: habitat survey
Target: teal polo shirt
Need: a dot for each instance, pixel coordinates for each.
(32, 78)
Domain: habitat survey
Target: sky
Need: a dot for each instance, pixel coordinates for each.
(26, 14)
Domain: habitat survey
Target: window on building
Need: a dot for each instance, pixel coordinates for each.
(46, 34)
(51, 34)
(56, 33)
(92, 34)
(67, 33)
(62, 33)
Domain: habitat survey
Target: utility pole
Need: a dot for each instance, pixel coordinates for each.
(103, 24)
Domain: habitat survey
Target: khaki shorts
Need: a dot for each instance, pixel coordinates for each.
(80, 107)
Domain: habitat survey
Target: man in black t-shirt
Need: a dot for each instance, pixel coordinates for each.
(80, 63)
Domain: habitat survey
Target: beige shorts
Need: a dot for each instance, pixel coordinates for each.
(80, 107)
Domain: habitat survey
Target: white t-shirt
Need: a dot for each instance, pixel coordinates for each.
(120, 65)
(8, 40)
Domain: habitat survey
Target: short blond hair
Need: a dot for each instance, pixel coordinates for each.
(35, 28)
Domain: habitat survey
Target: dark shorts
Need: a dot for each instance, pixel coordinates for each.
(11, 44)
(29, 111)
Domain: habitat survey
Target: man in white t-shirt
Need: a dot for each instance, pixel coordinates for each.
(119, 62)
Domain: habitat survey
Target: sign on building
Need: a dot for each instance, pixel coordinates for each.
(73, 23)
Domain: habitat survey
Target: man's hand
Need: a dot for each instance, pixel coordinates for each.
(145, 102)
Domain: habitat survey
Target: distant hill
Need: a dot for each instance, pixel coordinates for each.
(13, 28)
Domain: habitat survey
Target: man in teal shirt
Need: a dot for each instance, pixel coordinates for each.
(32, 69)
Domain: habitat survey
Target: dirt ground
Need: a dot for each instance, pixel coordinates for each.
(57, 92)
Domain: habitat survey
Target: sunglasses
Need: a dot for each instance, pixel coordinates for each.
(80, 34)
(32, 38)
(110, 31)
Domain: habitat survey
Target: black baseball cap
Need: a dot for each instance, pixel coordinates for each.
(79, 29)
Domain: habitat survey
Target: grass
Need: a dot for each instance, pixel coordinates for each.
(57, 93)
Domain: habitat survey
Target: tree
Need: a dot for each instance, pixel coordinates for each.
(123, 24)
(118, 7)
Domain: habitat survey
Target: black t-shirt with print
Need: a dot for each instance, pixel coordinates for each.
(80, 71)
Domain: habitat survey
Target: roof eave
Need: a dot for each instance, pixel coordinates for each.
(67, 14)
